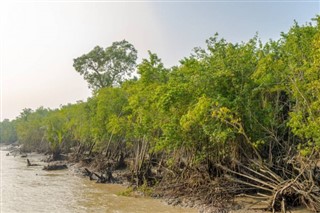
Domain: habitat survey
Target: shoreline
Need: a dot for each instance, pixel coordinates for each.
(241, 204)
(77, 168)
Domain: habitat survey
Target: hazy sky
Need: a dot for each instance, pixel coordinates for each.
(39, 39)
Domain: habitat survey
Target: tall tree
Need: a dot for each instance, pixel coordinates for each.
(107, 67)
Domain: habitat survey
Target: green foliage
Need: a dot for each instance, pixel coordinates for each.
(31, 129)
(107, 67)
(110, 103)
(56, 131)
(226, 101)
(8, 132)
(152, 70)
(78, 122)
(302, 54)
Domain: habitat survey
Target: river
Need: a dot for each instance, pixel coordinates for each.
(32, 190)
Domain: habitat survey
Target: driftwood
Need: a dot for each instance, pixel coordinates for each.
(24, 155)
(103, 178)
(55, 167)
(31, 164)
(89, 174)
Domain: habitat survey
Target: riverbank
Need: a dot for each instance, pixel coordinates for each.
(166, 194)
(238, 204)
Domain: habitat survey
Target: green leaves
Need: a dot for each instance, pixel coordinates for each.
(8, 132)
(152, 70)
(302, 54)
(109, 67)
(31, 128)
(225, 101)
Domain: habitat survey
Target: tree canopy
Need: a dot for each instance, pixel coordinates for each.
(107, 67)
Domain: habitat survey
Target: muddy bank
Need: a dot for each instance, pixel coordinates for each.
(193, 195)
(124, 177)
(193, 189)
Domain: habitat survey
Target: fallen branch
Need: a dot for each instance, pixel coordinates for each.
(31, 164)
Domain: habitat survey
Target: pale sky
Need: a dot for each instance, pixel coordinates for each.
(39, 39)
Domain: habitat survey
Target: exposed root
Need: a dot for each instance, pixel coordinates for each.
(302, 188)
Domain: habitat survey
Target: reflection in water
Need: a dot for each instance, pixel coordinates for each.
(30, 189)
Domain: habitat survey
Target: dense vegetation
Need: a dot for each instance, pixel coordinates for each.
(247, 111)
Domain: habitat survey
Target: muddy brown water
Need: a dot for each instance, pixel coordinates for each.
(32, 190)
